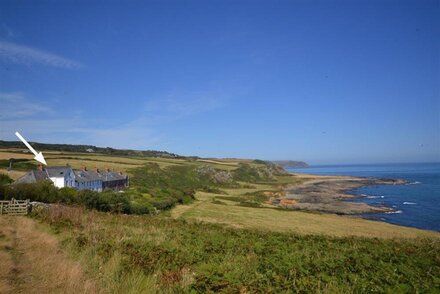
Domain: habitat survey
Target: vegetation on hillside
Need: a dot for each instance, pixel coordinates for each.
(181, 257)
(251, 173)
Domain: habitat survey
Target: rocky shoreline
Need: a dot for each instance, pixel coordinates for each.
(332, 194)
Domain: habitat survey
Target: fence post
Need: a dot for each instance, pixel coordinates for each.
(1, 208)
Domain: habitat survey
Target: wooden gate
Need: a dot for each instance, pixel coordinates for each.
(14, 207)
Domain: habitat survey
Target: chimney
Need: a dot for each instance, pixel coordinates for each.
(85, 168)
(120, 173)
(40, 167)
(97, 169)
(108, 170)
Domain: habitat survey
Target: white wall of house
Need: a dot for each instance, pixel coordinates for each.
(58, 182)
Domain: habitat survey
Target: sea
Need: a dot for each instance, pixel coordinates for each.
(416, 204)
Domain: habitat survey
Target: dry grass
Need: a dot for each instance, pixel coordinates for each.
(8, 155)
(33, 262)
(7, 266)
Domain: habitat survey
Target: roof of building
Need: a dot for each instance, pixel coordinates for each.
(57, 171)
(86, 176)
(112, 176)
(32, 177)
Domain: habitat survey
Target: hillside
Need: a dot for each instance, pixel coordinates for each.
(192, 225)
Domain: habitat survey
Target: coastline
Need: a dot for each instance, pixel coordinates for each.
(332, 194)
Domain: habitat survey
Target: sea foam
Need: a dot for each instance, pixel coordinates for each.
(414, 183)
(394, 212)
(375, 197)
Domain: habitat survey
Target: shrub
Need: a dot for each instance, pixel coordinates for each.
(43, 191)
(4, 180)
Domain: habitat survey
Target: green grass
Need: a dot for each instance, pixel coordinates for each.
(157, 254)
(272, 219)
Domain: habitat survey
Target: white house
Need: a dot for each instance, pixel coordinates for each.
(61, 176)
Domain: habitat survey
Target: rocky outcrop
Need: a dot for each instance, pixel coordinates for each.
(216, 176)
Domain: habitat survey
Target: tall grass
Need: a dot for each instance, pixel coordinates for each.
(143, 253)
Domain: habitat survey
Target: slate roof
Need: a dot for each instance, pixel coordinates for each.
(32, 177)
(112, 176)
(57, 171)
(86, 176)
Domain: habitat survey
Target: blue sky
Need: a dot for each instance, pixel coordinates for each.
(320, 81)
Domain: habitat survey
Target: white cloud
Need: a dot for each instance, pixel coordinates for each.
(16, 106)
(27, 55)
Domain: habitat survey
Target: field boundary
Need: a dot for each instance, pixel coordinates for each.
(14, 207)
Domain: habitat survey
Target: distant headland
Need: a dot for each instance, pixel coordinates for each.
(290, 163)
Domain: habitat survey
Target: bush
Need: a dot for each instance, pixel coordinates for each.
(4, 180)
(46, 192)
(67, 195)
(43, 191)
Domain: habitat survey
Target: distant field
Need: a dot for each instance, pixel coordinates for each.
(118, 163)
(8, 155)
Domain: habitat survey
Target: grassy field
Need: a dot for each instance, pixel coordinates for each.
(230, 213)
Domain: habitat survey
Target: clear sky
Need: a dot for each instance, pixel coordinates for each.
(319, 81)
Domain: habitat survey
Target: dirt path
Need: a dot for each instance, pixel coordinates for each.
(31, 261)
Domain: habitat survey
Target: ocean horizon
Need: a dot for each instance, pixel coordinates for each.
(415, 204)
